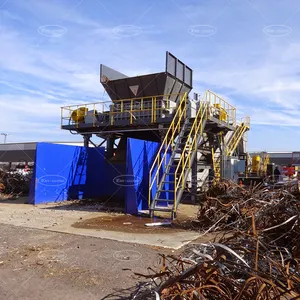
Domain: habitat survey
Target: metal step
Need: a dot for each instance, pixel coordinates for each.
(167, 209)
(178, 151)
(172, 166)
(164, 200)
(182, 138)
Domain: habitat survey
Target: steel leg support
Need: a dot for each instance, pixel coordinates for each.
(86, 140)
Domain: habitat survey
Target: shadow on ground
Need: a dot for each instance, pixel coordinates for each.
(15, 199)
(104, 204)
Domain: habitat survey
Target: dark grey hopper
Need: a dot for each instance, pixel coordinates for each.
(176, 79)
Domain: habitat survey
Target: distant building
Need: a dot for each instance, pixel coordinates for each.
(282, 158)
(13, 154)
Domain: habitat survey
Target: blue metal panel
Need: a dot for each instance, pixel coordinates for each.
(68, 172)
(140, 155)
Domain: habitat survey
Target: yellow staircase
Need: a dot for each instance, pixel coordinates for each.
(173, 163)
(168, 175)
(237, 136)
(217, 157)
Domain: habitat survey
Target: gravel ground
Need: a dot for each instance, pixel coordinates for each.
(39, 264)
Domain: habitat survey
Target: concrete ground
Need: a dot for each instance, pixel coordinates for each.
(87, 220)
(74, 251)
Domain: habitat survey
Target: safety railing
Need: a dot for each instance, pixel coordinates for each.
(75, 114)
(220, 109)
(191, 146)
(132, 109)
(169, 139)
(237, 135)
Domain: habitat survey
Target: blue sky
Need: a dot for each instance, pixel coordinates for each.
(244, 50)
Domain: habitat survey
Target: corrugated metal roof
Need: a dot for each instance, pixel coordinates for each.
(17, 146)
(32, 145)
(17, 155)
(14, 152)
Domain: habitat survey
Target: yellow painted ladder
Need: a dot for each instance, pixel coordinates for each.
(216, 159)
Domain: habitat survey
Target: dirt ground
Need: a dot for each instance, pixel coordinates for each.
(133, 224)
(72, 251)
(38, 264)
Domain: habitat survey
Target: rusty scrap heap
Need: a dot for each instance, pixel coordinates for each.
(13, 184)
(257, 257)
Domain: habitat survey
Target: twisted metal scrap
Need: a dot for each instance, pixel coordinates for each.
(276, 212)
(13, 184)
(234, 269)
(260, 259)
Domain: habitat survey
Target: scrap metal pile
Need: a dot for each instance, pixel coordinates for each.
(257, 257)
(13, 184)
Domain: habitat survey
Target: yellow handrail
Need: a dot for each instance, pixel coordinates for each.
(234, 141)
(122, 100)
(237, 135)
(168, 141)
(227, 112)
(189, 148)
(111, 109)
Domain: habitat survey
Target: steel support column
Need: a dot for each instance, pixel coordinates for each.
(86, 140)
(110, 146)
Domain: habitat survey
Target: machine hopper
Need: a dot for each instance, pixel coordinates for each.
(176, 79)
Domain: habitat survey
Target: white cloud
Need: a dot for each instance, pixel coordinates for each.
(7, 14)
(274, 82)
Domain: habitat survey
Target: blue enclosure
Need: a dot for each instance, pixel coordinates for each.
(68, 172)
(65, 172)
(140, 157)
